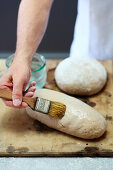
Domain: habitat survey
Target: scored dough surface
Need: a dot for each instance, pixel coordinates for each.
(79, 120)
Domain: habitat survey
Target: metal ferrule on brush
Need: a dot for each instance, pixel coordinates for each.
(42, 105)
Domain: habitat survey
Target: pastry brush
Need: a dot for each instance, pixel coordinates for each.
(52, 108)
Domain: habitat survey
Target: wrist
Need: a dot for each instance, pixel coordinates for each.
(23, 59)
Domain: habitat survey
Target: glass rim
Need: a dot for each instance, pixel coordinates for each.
(36, 54)
(44, 62)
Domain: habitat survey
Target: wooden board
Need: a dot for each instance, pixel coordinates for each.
(20, 135)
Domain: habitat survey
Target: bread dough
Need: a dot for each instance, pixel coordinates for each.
(79, 120)
(80, 76)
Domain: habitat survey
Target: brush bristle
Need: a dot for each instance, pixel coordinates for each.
(57, 109)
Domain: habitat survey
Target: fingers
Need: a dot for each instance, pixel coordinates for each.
(15, 79)
(30, 91)
(17, 91)
(10, 104)
(17, 95)
(29, 94)
(5, 87)
(5, 83)
(33, 83)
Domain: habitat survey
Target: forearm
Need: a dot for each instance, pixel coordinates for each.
(32, 21)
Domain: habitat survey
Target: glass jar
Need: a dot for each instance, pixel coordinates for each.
(38, 69)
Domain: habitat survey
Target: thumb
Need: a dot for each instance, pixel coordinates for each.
(17, 91)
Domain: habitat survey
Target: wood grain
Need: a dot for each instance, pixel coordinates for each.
(22, 136)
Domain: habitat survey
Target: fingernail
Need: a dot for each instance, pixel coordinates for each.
(16, 102)
(33, 88)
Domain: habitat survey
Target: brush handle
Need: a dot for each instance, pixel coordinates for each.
(7, 94)
(55, 109)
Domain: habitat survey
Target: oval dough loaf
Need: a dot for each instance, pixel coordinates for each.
(80, 76)
(79, 120)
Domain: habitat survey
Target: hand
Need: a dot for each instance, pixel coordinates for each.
(16, 79)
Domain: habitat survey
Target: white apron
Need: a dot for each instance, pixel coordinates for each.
(93, 34)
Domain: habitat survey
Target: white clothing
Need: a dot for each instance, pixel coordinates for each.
(93, 35)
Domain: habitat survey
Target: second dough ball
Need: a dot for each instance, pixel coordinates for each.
(80, 76)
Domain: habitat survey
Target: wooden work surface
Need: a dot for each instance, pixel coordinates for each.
(20, 135)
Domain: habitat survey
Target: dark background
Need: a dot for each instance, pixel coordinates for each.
(59, 33)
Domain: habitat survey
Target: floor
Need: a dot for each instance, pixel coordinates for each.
(54, 163)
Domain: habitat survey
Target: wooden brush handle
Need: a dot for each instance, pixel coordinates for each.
(7, 94)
